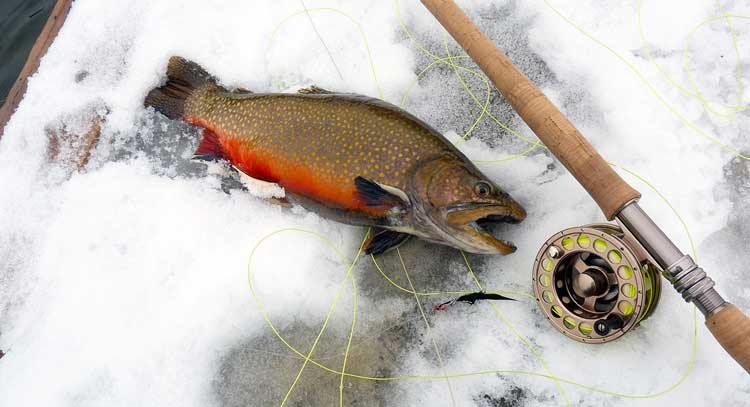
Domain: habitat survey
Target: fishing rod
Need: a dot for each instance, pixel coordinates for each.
(596, 282)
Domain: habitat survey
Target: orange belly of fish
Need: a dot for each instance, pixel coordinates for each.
(269, 166)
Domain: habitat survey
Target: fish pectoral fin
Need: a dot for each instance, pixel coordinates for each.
(384, 240)
(374, 194)
(314, 90)
(210, 148)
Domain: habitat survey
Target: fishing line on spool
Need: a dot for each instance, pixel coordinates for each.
(451, 61)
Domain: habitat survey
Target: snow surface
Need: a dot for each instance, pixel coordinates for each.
(126, 284)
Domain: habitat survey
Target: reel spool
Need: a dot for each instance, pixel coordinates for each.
(595, 283)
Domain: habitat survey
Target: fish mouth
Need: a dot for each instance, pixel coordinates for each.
(478, 221)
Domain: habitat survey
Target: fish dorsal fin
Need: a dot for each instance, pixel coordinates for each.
(384, 240)
(374, 194)
(314, 90)
(241, 91)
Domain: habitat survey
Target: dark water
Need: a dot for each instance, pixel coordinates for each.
(21, 21)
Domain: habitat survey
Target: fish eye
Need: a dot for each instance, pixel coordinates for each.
(482, 189)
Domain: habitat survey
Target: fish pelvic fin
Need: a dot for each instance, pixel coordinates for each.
(384, 240)
(183, 78)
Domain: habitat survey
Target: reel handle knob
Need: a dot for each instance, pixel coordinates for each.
(731, 328)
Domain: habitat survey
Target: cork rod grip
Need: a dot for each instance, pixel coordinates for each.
(609, 191)
(731, 328)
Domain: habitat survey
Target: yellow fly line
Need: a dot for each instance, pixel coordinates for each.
(649, 85)
(696, 93)
(308, 358)
(454, 63)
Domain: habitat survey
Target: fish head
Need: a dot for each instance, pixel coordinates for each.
(459, 206)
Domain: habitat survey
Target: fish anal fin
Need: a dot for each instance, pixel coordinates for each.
(376, 195)
(384, 240)
(314, 90)
(210, 148)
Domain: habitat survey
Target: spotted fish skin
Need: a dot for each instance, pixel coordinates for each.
(315, 144)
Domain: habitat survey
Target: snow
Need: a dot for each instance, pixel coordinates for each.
(126, 283)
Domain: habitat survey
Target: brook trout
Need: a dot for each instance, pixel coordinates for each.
(348, 157)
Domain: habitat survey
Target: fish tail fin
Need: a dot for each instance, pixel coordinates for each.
(183, 78)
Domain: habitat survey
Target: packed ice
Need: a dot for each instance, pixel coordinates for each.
(125, 283)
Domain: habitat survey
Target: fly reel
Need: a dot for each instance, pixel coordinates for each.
(595, 283)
